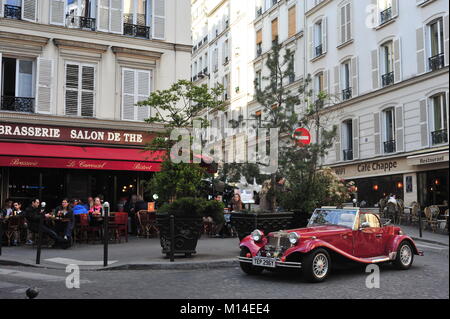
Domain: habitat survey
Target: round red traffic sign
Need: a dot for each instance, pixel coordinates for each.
(302, 136)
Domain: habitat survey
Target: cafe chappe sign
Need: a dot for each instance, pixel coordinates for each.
(70, 134)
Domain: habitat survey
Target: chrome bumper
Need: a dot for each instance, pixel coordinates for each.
(278, 263)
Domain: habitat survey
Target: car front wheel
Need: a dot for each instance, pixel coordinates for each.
(316, 265)
(405, 256)
(248, 268)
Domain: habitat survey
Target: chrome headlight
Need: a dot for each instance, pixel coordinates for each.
(293, 238)
(257, 235)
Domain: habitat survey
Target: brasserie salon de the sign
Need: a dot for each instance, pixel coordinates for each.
(75, 135)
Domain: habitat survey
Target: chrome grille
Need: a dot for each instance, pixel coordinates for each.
(278, 242)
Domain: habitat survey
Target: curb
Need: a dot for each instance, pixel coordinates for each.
(429, 241)
(202, 265)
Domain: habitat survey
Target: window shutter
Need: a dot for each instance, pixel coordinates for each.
(292, 23)
(355, 76)
(29, 10)
(424, 123)
(399, 129)
(375, 12)
(397, 60)
(375, 70)
(420, 50)
(446, 40)
(337, 144)
(1, 8)
(116, 16)
(128, 93)
(87, 91)
(159, 19)
(324, 34)
(340, 24)
(337, 79)
(274, 29)
(143, 92)
(377, 134)
(103, 15)
(44, 85)
(348, 16)
(72, 86)
(326, 76)
(258, 36)
(355, 139)
(57, 12)
(311, 43)
(395, 8)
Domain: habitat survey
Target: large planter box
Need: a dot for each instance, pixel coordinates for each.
(300, 219)
(245, 223)
(187, 233)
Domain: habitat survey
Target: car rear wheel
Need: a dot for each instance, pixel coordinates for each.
(405, 256)
(316, 265)
(248, 268)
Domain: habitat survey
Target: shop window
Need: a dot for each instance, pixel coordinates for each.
(439, 121)
(347, 140)
(436, 58)
(17, 85)
(389, 131)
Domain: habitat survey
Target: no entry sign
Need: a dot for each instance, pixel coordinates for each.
(302, 136)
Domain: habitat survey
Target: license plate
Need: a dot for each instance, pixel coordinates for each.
(264, 262)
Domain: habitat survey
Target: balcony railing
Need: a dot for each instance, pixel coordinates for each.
(318, 50)
(387, 79)
(259, 12)
(17, 104)
(389, 146)
(348, 155)
(258, 51)
(347, 94)
(275, 41)
(13, 12)
(385, 15)
(437, 62)
(137, 31)
(85, 23)
(226, 60)
(439, 137)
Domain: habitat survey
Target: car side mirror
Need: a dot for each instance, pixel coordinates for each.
(364, 225)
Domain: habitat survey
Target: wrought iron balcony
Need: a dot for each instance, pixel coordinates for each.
(226, 60)
(275, 41)
(348, 155)
(389, 146)
(13, 12)
(319, 50)
(80, 22)
(387, 79)
(259, 12)
(17, 104)
(347, 94)
(437, 62)
(439, 137)
(137, 31)
(258, 51)
(205, 71)
(385, 15)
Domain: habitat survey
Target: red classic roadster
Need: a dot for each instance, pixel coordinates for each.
(332, 235)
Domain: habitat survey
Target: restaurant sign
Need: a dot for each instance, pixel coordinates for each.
(426, 159)
(385, 167)
(75, 135)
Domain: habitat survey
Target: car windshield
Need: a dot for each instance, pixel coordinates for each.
(340, 217)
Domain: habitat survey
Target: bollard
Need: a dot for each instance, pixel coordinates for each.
(420, 223)
(105, 233)
(172, 238)
(1, 235)
(39, 246)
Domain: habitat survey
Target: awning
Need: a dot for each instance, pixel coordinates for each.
(78, 157)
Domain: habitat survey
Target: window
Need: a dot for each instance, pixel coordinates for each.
(135, 19)
(385, 8)
(318, 83)
(389, 131)
(318, 35)
(292, 21)
(20, 9)
(436, 58)
(387, 64)
(18, 88)
(371, 219)
(347, 140)
(439, 121)
(226, 84)
(226, 49)
(205, 68)
(258, 43)
(345, 80)
(275, 31)
(345, 26)
(80, 89)
(258, 80)
(79, 14)
(216, 59)
(136, 87)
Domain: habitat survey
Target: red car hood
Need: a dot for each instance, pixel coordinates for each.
(320, 231)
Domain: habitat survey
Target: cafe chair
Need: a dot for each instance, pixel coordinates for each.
(415, 211)
(13, 226)
(431, 216)
(120, 226)
(146, 223)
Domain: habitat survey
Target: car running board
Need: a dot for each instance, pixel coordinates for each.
(379, 259)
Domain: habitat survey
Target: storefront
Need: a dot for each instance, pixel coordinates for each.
(421, 177)
(51, 163)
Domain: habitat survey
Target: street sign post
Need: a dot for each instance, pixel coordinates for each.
(302, 136)
(105, 233)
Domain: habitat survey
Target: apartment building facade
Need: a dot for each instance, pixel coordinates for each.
(385, 65)
(72, 72)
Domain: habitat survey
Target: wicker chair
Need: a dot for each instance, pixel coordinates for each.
(415, 211)
(431, 215)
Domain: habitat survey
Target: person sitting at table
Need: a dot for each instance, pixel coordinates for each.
(78, 207)
(236, 203)
(33, 215)
(65, 212)
(7, 208)
(95, 212)
(89, 203)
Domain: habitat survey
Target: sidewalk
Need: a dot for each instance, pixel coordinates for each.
(439, 238)
(138, 253)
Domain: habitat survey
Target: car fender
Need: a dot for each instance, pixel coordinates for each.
(392, 245)
(254, 247)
